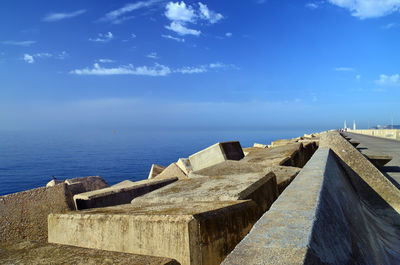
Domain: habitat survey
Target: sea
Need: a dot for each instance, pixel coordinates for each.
(30, 159)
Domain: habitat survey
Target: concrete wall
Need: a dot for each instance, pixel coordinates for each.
(23, 215)
(384, 133)
(321, 219)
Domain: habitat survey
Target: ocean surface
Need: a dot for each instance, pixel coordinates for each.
(30, 159)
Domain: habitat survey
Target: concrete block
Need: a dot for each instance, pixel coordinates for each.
(184, 165)
(258, 186)
(189, 232)
(33, 252)
(121, 193)
(23, 215)
(260, 145)
(155, 171)
(320, 219)
(88, 183)
(172, 171)
(378, 160)
(54, 182)
(215, 154)
(283, 142)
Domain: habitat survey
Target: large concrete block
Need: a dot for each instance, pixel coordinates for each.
(258, 186)
(39, 253)
(190, 232)
(23, 215)
(184, 165)
(85, 184)
(172, 171)
(120, 193)
(215, 154)
(155, 171)
(321, 219)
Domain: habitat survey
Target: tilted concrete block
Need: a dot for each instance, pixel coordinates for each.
(215, 154)
(172, 171)
(84, 184)
(155, 171)
(121, 193)
(54, 182)
(190, 232)
(184, 165)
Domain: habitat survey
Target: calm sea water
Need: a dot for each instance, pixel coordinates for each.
(29, 159)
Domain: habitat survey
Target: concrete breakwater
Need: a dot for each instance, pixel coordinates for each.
(384, 133)
(283, 203)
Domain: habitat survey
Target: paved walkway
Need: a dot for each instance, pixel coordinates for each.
(376, 145)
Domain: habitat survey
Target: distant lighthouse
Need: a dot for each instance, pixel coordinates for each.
(354, 125)
(345, 125)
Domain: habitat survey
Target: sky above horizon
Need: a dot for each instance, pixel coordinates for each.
(198, 64)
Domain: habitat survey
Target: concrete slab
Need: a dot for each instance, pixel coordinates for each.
(184, 165)
(366, 170)
(284, 175)
(320, 219)
(155, 171)
(89, 183)
(258, 186)
(120, 193)
(215, 154)
(172, 171)
(190, 232)
(39, 253)
(378, 160)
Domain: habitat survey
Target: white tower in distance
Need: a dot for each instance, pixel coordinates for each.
(345, 125)
(354, 125)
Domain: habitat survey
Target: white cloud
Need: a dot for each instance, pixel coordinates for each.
(387, 80)
(28, 58)
(368, 8)
(391, 25)
(157, 70)
(103, 37)
(173, 38)
(191, 70)
(180, 12)
(344, 69)
(180, 29)
(312, 5)
(105, 61)
(115, 15)
(228, 34)
(19, 43)
(208, 14)
(152, 55)
(60, 16)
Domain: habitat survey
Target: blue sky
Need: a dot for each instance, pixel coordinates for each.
(189, 64)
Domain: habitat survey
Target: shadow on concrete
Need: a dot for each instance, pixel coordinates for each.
(361, 148)
(353, 222)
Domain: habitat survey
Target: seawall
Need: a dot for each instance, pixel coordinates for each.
(383, 133)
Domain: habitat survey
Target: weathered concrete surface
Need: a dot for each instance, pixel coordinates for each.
(120, 193)
(383, 133)
(366, 170)
(184, 165)
(155, 171)
(284, 175)
(215, 154)
(39, 253)
(89, 183)
(382, 146)
(190, 232)
(258, 186)
(172, 171)
(322, 219)
(23, 215)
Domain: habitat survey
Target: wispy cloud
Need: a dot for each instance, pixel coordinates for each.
(209, 15)
(52, 17)
(344, 69)
(106, 61)
(117, 16)
(103, 37)
(368, 8)
(152, 55)
(228, 34)
(181, 29)
(173, 38)
(28, 58)
(391, 25)
(156, 70)
(388, 80)
(19, 43)
(312, 5)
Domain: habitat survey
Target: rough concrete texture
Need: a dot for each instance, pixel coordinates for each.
(215, 154)
(89, 183)
(383, 133)
(23, 215)
(366, 170)
(321, 219)
(155, 171)
(172, 171)
(39, 253)
(120, 193)
(260, 187)
(190, 232)
(184, 165)
(284, 175)
(292, 154)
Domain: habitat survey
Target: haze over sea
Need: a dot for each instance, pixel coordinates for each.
(30, 159)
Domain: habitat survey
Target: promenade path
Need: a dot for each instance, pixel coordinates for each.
(381, 146)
